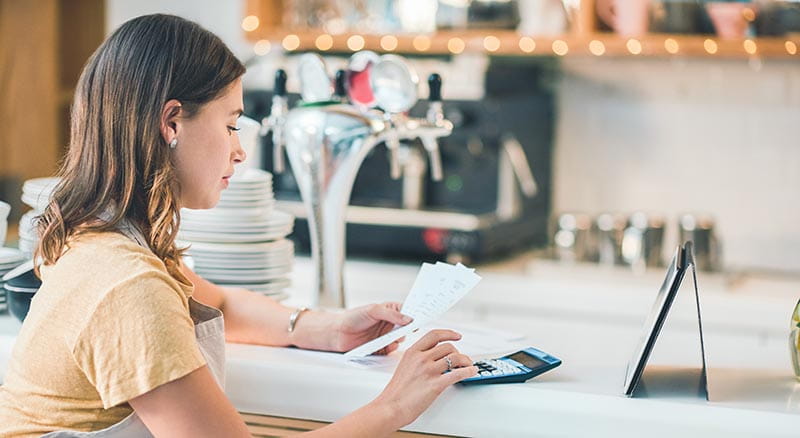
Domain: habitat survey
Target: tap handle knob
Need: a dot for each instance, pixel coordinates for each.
(435, 86)
(340, 84)
(280, 83)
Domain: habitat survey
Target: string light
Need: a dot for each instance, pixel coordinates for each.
(634, 46)
(750, 47)
(324, 42)
(749, 14)
(421, 42)
(388, 42)
(291, 42)
(710, 46)
(456, 45)
(597, 48)
(250, 23)
(791, 47)
(355, 42)
(560, 47)
(491, 43)
(262, 47)
(671, 46)
(527, 44)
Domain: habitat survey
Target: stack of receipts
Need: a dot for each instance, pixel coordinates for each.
(436, 289)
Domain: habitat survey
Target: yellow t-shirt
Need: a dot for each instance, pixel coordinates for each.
(108, 324)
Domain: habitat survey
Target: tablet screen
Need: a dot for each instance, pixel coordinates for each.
(653, 322)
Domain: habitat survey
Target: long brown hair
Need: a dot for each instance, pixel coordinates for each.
(118, 161)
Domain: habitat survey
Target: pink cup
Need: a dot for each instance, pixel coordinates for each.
(626, 17)
(728, 19)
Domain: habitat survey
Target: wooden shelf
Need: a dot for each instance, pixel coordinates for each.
(510, 43)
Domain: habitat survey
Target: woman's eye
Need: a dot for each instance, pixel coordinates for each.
(232, 129)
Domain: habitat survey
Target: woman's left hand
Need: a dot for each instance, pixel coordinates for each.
(365, 323)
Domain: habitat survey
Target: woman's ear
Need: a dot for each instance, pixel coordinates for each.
(170, 122)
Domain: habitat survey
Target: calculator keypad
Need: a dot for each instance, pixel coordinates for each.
(494, 367)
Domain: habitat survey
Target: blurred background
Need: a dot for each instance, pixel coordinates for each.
(603, 131)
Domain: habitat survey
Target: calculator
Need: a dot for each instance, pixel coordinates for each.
(516, 367)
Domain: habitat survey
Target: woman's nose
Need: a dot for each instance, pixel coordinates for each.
(239, 154)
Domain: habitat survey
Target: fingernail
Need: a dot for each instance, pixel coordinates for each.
(407, 319)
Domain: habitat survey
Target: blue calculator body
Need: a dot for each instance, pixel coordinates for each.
(516, 367)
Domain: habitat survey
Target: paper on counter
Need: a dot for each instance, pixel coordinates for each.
(436, 289)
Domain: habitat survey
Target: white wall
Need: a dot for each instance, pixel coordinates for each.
(223, 17)
(687, 135)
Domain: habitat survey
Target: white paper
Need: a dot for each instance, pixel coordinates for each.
(436, 289)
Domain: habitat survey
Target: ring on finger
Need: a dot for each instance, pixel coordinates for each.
(449, 363)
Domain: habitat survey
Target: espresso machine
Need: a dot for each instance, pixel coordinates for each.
(467, 180)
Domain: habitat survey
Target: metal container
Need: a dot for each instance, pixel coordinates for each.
(571, 239)
(609, 229)
(699, 229)
(642, 241)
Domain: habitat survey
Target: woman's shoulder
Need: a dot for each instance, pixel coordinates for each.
(97, 261)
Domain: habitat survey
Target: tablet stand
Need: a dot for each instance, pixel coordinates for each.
(669, 382)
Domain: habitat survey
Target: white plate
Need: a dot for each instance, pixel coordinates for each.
(11, 255)
(242, 278)
(244, 248)
(270, 270)
(237, 238)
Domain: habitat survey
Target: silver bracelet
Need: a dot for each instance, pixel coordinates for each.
(294, 316)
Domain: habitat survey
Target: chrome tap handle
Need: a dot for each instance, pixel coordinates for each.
(434, 156)
(340, 85)
(435, 117)
(393, 145)
(276, 119)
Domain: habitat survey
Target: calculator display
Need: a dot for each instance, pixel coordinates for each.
(527, 360)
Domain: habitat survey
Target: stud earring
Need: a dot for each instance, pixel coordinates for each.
(173, 143)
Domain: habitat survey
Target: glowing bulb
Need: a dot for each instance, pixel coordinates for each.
(597, 48)
(749, 14)
(791, 47)
(560, 47)
(671, 46)
(456, 45)
(324, 42)
(291, 42)
(750, 47)
(421, 43)
(710, 46)
(388, 42)
(527, 44)
(262, 47)
(491, 43)
(250, 23)
(355, 42)
(634, 46)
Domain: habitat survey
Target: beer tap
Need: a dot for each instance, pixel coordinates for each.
(277, 119)
(327, 140)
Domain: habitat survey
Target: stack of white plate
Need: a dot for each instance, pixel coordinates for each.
(241, 242)
(35, 193)
(10, 258)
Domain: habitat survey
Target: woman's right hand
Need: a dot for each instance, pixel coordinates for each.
(420, 376)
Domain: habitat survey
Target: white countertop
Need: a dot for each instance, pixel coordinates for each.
(589, 317)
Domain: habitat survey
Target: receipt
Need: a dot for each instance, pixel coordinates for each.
(436, 289)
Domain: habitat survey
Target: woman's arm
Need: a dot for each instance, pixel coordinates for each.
(195, 406)
(252, 318)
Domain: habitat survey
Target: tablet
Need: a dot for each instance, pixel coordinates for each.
(666, 295)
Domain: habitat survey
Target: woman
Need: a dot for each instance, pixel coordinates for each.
(116, 342)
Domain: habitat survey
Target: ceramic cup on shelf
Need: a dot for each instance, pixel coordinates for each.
(626, 17)
(5, 209)
(731, 20)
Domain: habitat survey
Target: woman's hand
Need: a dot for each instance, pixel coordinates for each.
(365, 323)
(420, 376)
